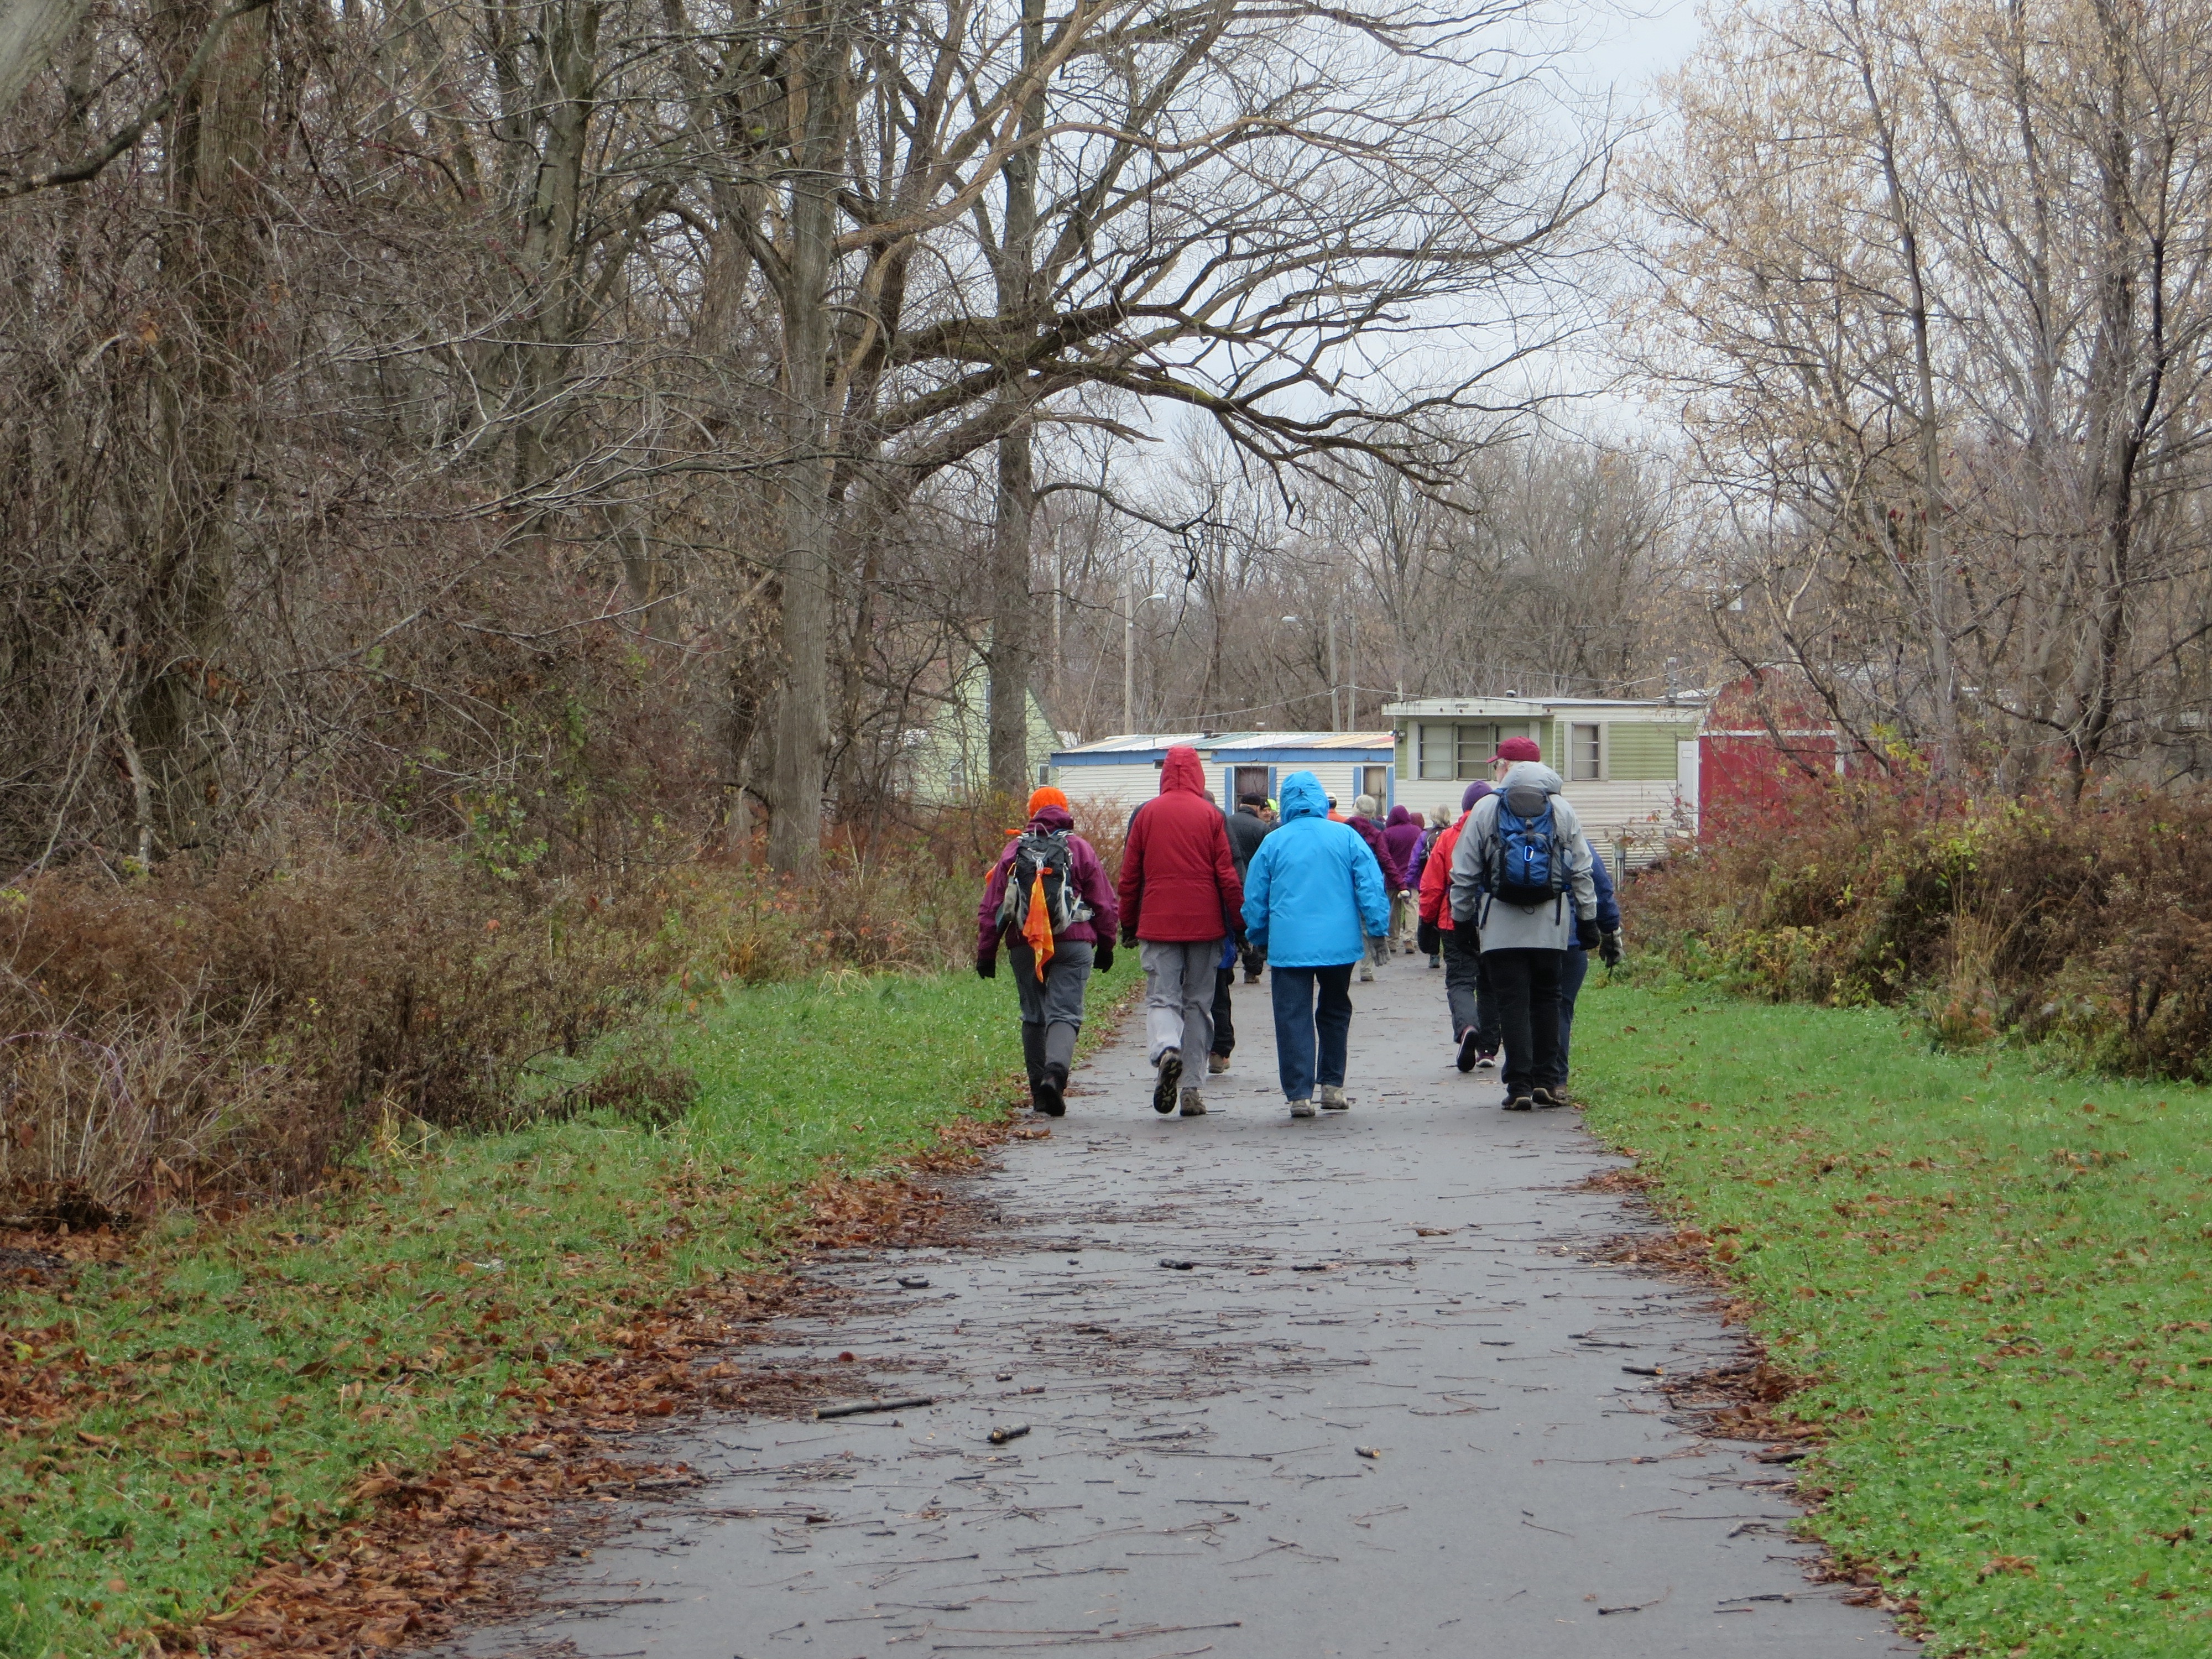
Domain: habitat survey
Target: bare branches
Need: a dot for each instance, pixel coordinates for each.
(90, 166)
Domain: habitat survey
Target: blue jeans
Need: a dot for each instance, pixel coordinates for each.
(1298, 1021)
(1572, 972)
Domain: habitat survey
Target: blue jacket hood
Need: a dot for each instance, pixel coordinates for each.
(1303, 797)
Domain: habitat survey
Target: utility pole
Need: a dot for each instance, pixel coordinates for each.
(1128, 654)
(1335, 724)
(1352, 674)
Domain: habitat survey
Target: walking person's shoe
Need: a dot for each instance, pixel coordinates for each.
(1332, 1099)
(1436, 962)
(1194, 1103)
(1486, 1059)
(1048, 1094)
(1470, 1051)
(1366, 973)
(1553, 1096)
(1217, 1063)
(1251, 978)
(1170, 1080)
(1520, 1100)
(1301, 1109)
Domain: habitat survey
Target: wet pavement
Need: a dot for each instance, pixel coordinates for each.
(1343, 1386)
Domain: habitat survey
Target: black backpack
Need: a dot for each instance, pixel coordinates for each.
(1042, 853)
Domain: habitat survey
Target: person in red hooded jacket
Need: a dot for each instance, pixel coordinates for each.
(1181, 899)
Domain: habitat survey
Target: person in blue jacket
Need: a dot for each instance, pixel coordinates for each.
(1576, 968)
(1313, 897)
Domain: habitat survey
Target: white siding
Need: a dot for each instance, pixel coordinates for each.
(1108, 793)
(1645, 812)
(1687, 759)
(1425, 796)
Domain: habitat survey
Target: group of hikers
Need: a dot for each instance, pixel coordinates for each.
(1508, 898)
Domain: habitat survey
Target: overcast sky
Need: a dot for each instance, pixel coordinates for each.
(1631, 44)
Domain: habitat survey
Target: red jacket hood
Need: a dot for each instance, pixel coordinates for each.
(1181, 770)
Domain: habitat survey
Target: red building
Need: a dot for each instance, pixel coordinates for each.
(1763, 736)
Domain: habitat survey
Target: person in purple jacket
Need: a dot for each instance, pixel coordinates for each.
(1402, 833)
(1393, 876)
(1083, 916)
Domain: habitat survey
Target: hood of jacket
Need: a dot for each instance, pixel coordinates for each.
(1475, 792)
(1398, 815)
(1181, 770)
(1303, 797)
(1532, 772)
(1052, 819)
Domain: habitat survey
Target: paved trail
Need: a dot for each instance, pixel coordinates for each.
(1192, 1482)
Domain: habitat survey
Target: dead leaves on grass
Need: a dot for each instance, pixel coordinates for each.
(439, 1545)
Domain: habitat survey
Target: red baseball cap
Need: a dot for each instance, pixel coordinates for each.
(1518, 749)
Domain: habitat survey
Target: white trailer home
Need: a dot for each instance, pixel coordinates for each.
(1114, 776)
(1631, 765)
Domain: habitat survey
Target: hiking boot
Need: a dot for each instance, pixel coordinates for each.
(1486, 1059)
(1170, 1080)
(1520, 1101)
(1194, 1103)
(1436, 962)
(1549, 1098)
(1332, 1099)
(1366, 973)
(1470, 1056)
(1301, 1109)
(1251, 979)
(1048, 1094)
(1217, 1063)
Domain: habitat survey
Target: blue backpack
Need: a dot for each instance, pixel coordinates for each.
(1526, 862)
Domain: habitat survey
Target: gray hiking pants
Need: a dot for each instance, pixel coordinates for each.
(1179, 999)
(1051, 1009)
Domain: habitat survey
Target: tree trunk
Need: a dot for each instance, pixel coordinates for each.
(212, 259)
(1013, 607)
(1012, 615)
(816, 81)
(30, 32)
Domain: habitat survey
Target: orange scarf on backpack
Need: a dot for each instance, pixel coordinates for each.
(1036, 925)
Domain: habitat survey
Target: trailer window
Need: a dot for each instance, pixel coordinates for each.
(1585, 754)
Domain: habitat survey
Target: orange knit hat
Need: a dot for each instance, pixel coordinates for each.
(1048, 795)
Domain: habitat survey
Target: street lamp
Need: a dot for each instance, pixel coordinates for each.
(1129, 652)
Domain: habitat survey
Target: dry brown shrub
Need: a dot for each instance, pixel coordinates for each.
(2087, 925)
(214, 1033)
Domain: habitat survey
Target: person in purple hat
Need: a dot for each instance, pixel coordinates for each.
(1402, 833)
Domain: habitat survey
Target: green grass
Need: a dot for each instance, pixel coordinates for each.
(252, 1371)
(1997, 1275)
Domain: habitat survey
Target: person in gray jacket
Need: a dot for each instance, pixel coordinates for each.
(1521, 880)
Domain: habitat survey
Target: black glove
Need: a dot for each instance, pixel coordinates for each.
(986, 964)
(1429, 937)
(1586, 933)
(1244, 940)
(1102, 955)
(1128, 936)
(1608, 948)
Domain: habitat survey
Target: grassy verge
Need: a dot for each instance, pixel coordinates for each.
(172, 1419)
(1993, 1273)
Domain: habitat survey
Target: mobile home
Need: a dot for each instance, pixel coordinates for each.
(1631, 765)
(1113, 776)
